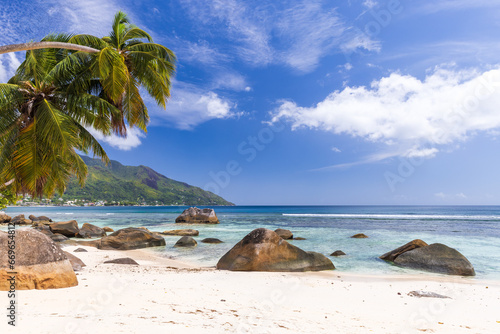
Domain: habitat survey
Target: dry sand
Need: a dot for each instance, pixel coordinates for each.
(166, 296)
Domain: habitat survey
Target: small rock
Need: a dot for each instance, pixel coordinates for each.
(284, 234)
(76, 262)
(337, 253)
(185, 232)
(108, 229)
(57, 237)
(123, 260)
(80, 250)
(359, 236)
(299, 238)
(425, 294)
(186, 242)
(212, 241)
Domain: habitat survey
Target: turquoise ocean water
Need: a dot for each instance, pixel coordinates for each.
(472, 230)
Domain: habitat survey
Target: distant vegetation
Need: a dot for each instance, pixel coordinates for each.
(135, 185)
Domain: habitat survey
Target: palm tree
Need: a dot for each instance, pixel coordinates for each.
(128, 59)
(57, 94)
(44, 124)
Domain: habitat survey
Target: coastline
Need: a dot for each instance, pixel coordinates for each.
(179, 297)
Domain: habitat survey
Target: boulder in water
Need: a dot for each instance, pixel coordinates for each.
(197, 216)
(186, 242)
(437, 258)
(264, 250)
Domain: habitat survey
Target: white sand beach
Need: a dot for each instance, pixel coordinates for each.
(168, 296)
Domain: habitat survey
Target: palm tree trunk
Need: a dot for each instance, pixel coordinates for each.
(45, 45)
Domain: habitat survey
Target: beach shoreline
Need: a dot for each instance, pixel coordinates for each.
(179, 297)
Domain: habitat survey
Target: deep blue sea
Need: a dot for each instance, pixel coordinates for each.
(472, 230)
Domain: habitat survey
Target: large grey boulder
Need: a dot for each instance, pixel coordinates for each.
(40, 262)
(127, 238)
(264, 250)
(392, 255)
(68, 229)
(90, 231)
(437, 258)
(197, 216)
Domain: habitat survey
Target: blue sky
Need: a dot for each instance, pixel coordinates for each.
(309, 102)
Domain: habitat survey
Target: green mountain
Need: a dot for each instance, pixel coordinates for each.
(136, 185)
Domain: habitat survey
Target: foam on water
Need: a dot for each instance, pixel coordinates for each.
(379, 216)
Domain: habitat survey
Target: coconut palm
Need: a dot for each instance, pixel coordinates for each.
(56, 95)
(44, 124)
(128, 60)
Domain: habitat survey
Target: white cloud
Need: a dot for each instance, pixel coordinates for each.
(335, 149)
(191, 106)
(442, 195)
(369, 3)
(132, 140)
(230, 80)
(8, 65)
(355, 40)
(413, 117)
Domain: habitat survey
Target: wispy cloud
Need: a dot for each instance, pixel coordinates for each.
(230, 80)
(442, 195)
(241, 23)
(90, 16)
(447, 5)
(414, 116)
(373, 158)
(198, 52)
(310, 31)
(296, 33)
